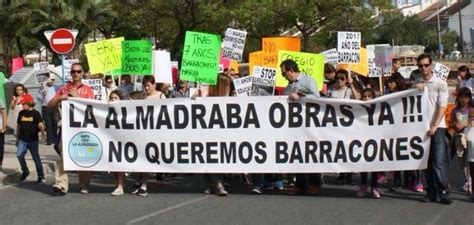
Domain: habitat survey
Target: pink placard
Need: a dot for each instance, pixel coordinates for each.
(17, 63)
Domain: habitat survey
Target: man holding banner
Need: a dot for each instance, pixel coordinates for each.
(74, 88)
(301, 85)
(435, 173)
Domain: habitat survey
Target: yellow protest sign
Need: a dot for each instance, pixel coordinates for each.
(271, 46)
(255, 59)
(105, 56)
(234, 65)
(361, 68)
(308, 63)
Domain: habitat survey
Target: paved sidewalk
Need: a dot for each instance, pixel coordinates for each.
(11, 167)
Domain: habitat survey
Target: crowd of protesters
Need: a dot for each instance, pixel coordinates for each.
(338, 84)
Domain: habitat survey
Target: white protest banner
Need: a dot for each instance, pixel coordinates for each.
(233, 44)
(348, 47)
(406, 71)
(263, 81)
(41, 71)
(67, 68)
(243, 86)
(267, 134)
(99, 89)
(374, 71)
(330, 56)
(441, 71)
(162, 67)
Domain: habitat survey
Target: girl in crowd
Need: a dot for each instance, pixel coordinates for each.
(120, 176)
(464, 79)
(344, 88)
(368, 94)
(459, 121)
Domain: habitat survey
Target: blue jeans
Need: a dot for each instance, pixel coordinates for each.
(23, 147)
(435, 173)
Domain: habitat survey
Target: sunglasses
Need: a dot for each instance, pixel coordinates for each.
(76, 71)
(341, 78)
(423, 65)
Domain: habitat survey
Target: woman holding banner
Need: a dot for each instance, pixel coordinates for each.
(114, 96)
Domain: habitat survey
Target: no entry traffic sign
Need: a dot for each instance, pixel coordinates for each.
(62, 40)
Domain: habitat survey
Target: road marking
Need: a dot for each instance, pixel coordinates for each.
(168, 209)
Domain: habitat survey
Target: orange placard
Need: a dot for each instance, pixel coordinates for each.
(271, 46)
(361, 68)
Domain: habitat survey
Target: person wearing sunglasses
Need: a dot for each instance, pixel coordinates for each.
(435, 173)
(301, 85)
(344, 87)
(73, 88)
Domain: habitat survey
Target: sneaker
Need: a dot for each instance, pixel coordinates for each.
(419, 188)
(466, 187)
(142, 192)
(257, 190)
(221, 191)
(57, 191)
(23, 176)
(362, 191)
(375, 193)
(84, 191)
(381, 179)
(135, 188)
(207, 190)
(41, 180)
(117, 192)
(268, 186)
(278, 185)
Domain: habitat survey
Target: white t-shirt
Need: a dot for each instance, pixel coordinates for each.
(437, 96)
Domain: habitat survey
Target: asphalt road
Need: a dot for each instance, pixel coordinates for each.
(180, 201)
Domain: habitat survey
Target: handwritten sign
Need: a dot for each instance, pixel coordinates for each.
(348, 47)
(243, 86)
(361, 68)
(374, 71)
(200, 57)
(441, 71)
(383, 58)
(330, 56)
(41, 71)
(263, 81)
(137, 57)
(97, 88)
(255, 59)
(67, 68)
(308, 63)
(105, 56)
(272, 45)
(162, 67)
(233, 44)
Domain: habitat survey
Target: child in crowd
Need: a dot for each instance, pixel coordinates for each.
(114, 96)
(459, 121)
(368, 94)
(29, 123)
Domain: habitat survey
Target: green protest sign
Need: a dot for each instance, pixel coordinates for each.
(2, 90)
(137, 57)
(105, 56)
(308, 63)
(200, 57)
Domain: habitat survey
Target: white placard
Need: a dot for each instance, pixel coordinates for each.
(263, 81)
(441, 71)
(348, 47)
(67, 68)
(374, 71)
(243, 86)
(162, 67)
(237, 135)
(41, 67)
(330, 56)
(233, 44)
(99, 90)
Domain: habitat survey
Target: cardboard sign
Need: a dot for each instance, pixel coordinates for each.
(348, 47)
(99, 89)
(233, 44)
(200, 57)
(383, 58)
(67, 68)
(162, 67)
(441, 71)
(361, 68)
(330, 56)
(272, 45)
(263, 81)
(374, 71)
(105, 56)
(308, 63)
(137, 57)
(243, 86)
(255, 59)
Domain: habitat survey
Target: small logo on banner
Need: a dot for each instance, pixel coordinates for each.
(85, 149)
(412, 109)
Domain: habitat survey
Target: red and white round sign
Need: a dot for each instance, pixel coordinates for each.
(62, 41)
